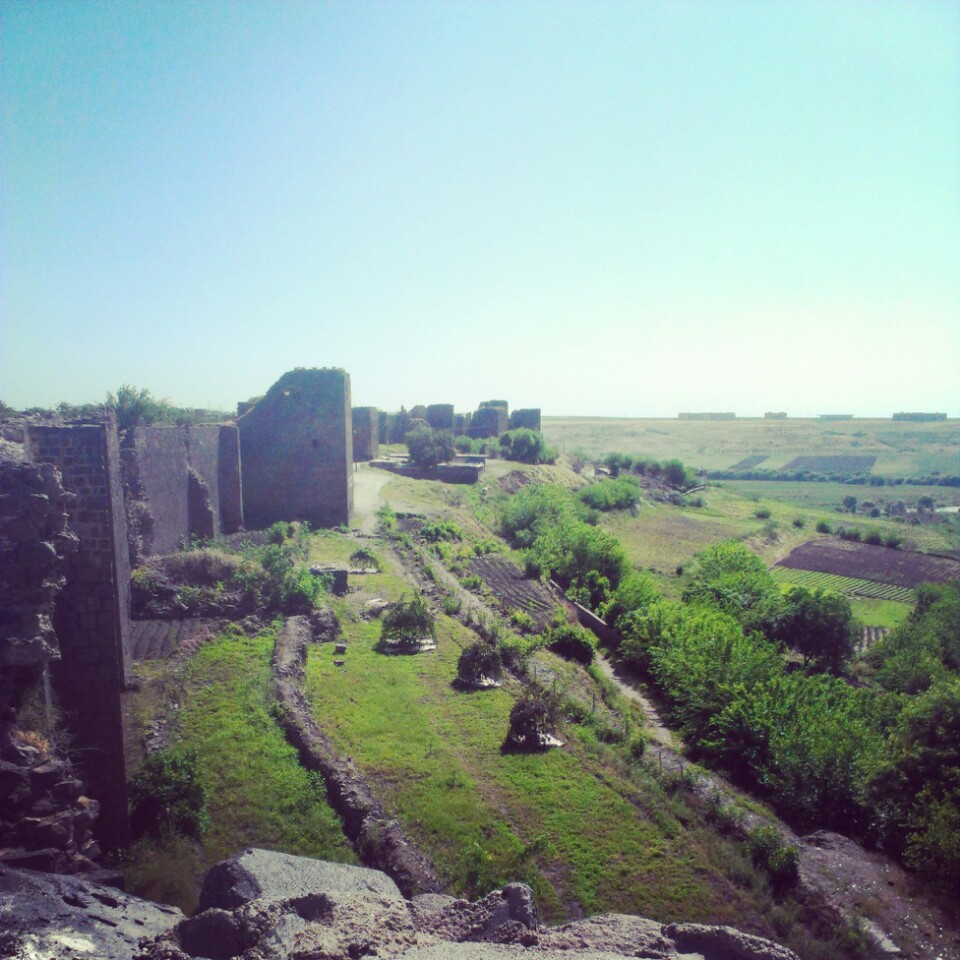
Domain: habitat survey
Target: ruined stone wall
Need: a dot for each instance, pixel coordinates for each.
(488, 422)
(366, 433)
(230, 481)
(181, 482)
(528, 418)
(296, 446)
(91, 617)
(440, 416)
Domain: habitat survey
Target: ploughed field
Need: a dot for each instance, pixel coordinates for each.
(863, 561)
(514, 591)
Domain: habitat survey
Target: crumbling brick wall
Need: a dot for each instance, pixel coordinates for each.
(296, 446)
(91, 616)
(366, 433)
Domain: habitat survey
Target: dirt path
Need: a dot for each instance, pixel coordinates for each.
(367, 483)
(655, 727)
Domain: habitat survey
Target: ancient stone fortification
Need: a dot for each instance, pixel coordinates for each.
(180, 483)
(528, 418)
(66, 597)
(440, 416)
(366, 433)
(77, 504)
(297, 449)
(488, 422)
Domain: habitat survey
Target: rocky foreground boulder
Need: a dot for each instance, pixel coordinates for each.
(260, 905)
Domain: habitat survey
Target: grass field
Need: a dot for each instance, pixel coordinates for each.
(257, 792)
(587, 833)
(901, 448)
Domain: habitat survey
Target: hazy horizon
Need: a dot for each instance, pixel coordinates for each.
(598, 209)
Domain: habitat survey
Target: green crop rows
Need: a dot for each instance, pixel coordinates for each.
(849, 586)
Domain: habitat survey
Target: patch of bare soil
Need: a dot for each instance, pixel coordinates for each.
(513, 481)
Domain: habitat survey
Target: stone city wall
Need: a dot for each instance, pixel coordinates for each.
(180, 483)
(528, 418)
(366, 433)
(297, 450)
(91, 616)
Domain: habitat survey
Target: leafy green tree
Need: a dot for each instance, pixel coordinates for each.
(734, 579)
(134, 406)
(916, 785)
(636, 591)
(803, 741)
(525, 446)
(571, 642)
(818, 625)
(428, 447)
(675, 473)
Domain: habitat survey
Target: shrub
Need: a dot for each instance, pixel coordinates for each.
(201, 568)
(571, 643)
(799, 522)
(763, 514)
(407, 623)
(822, 527)
(280, 531)
(874, 538)
(167, 797)
(365, 559)
(478, 663)
(611, 494)
(533, 719)
(386, 520)
(522, 621)
(434, 531)
(779, 860)
(525, 446)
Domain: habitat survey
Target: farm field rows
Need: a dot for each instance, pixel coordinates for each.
(863, 561)
(849, 586)
(902, 448)
(513, 590)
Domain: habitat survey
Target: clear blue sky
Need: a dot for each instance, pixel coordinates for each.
(622, 208)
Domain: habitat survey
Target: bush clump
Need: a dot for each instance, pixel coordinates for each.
(167, 796)
(533, 720)
(408, 624)
(571, 642)
(480, 665)
(780, 861)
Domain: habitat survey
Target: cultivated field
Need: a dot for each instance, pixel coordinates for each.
(901, 448)
(863, 561)
(849, 586)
